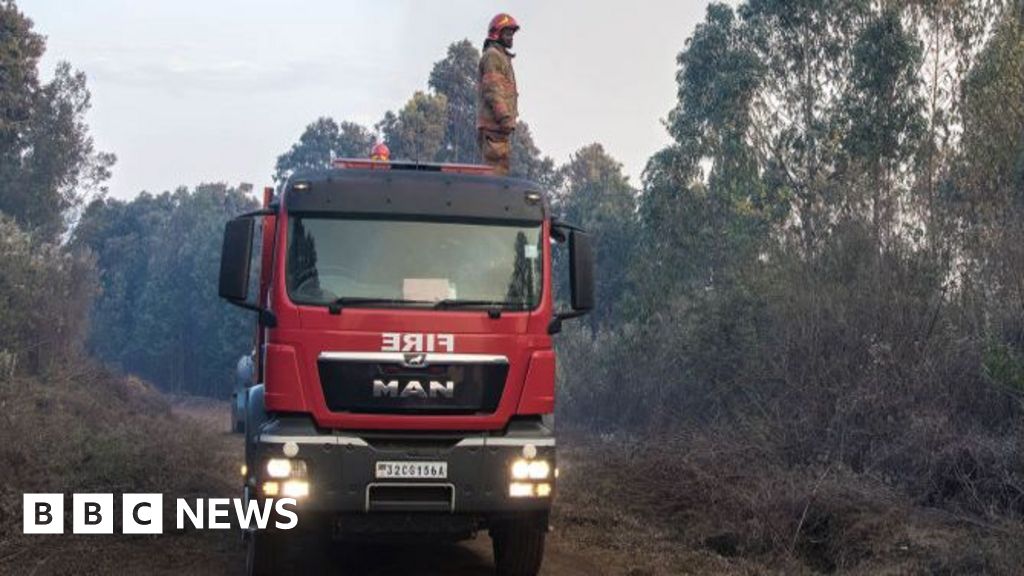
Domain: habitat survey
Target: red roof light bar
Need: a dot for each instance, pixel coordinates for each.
(364, 164)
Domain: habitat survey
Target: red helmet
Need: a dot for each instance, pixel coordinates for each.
(380, 152)
(499, 23)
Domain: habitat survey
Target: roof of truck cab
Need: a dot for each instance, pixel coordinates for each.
(414, 193)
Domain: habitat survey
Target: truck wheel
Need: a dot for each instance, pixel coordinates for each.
(264, 555)
(284, 553)
(519, 546)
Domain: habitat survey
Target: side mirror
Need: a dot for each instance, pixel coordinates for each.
(581, 271)
(235, 255)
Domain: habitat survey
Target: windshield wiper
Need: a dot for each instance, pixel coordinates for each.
(494, 307)
(339, 303)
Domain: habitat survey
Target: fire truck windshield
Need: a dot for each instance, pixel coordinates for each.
(396, 263)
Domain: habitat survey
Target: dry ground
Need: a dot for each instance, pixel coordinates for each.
(221, 552)
(625, 507)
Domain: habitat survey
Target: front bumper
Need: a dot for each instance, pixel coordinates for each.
(340, 468)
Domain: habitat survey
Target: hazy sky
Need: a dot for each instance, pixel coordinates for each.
(187, 92)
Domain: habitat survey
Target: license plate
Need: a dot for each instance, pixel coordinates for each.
(412, 470)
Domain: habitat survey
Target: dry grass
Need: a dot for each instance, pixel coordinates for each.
(94, 431)
(712, 503)
(700, 502)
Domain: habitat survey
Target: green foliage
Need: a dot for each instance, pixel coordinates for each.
(1004, 366)
(157, 315)
(321, 142)
(529, 162)
(993, 149)
(455, 78)
(417, 132)
(20, 50)
(718, 78)
(47, 158)
(45, 291)
(822, 259)
(706, 208)
(47, 165)
(436, 126)
(597, 196)
(883, 120)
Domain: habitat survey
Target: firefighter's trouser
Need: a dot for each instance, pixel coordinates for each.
(495, 149)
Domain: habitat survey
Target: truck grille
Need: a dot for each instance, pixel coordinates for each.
(391, 388)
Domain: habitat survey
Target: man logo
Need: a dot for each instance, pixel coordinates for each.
(415, 361)
(413, 389)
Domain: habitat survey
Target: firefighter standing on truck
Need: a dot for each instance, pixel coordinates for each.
(497, 99)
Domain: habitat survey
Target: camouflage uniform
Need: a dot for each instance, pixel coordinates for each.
(497, 106)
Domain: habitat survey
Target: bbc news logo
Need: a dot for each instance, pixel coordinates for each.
(143, 513)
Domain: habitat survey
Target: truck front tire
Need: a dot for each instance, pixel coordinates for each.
(297, 551)
(519, 545)
(264, 554)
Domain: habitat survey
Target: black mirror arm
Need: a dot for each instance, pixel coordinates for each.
(267, 318)
(560, 230)
(555, 326)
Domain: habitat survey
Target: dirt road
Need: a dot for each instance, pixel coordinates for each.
(585, 541)
(619, 511)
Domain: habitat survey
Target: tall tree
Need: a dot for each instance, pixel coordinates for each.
(123, 235)
(704, 206)
(417, 132)
(45, 292)
(20, 50)
(48, 162)
(322, 141)
(455, 77)
(156, 315)
(47, 165)
(597, 196)
(529, 162)
(805, 48)
(983, 202)
(883, 120)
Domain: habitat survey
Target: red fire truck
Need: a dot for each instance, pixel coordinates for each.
(404, 379)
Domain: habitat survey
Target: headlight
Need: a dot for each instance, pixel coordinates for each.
(279, 468)
(271, 488)
(295, 489)
(520, 469)
(525, 474)
(530, 469)
(286, 468)
(539, 469)
(520, 490)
